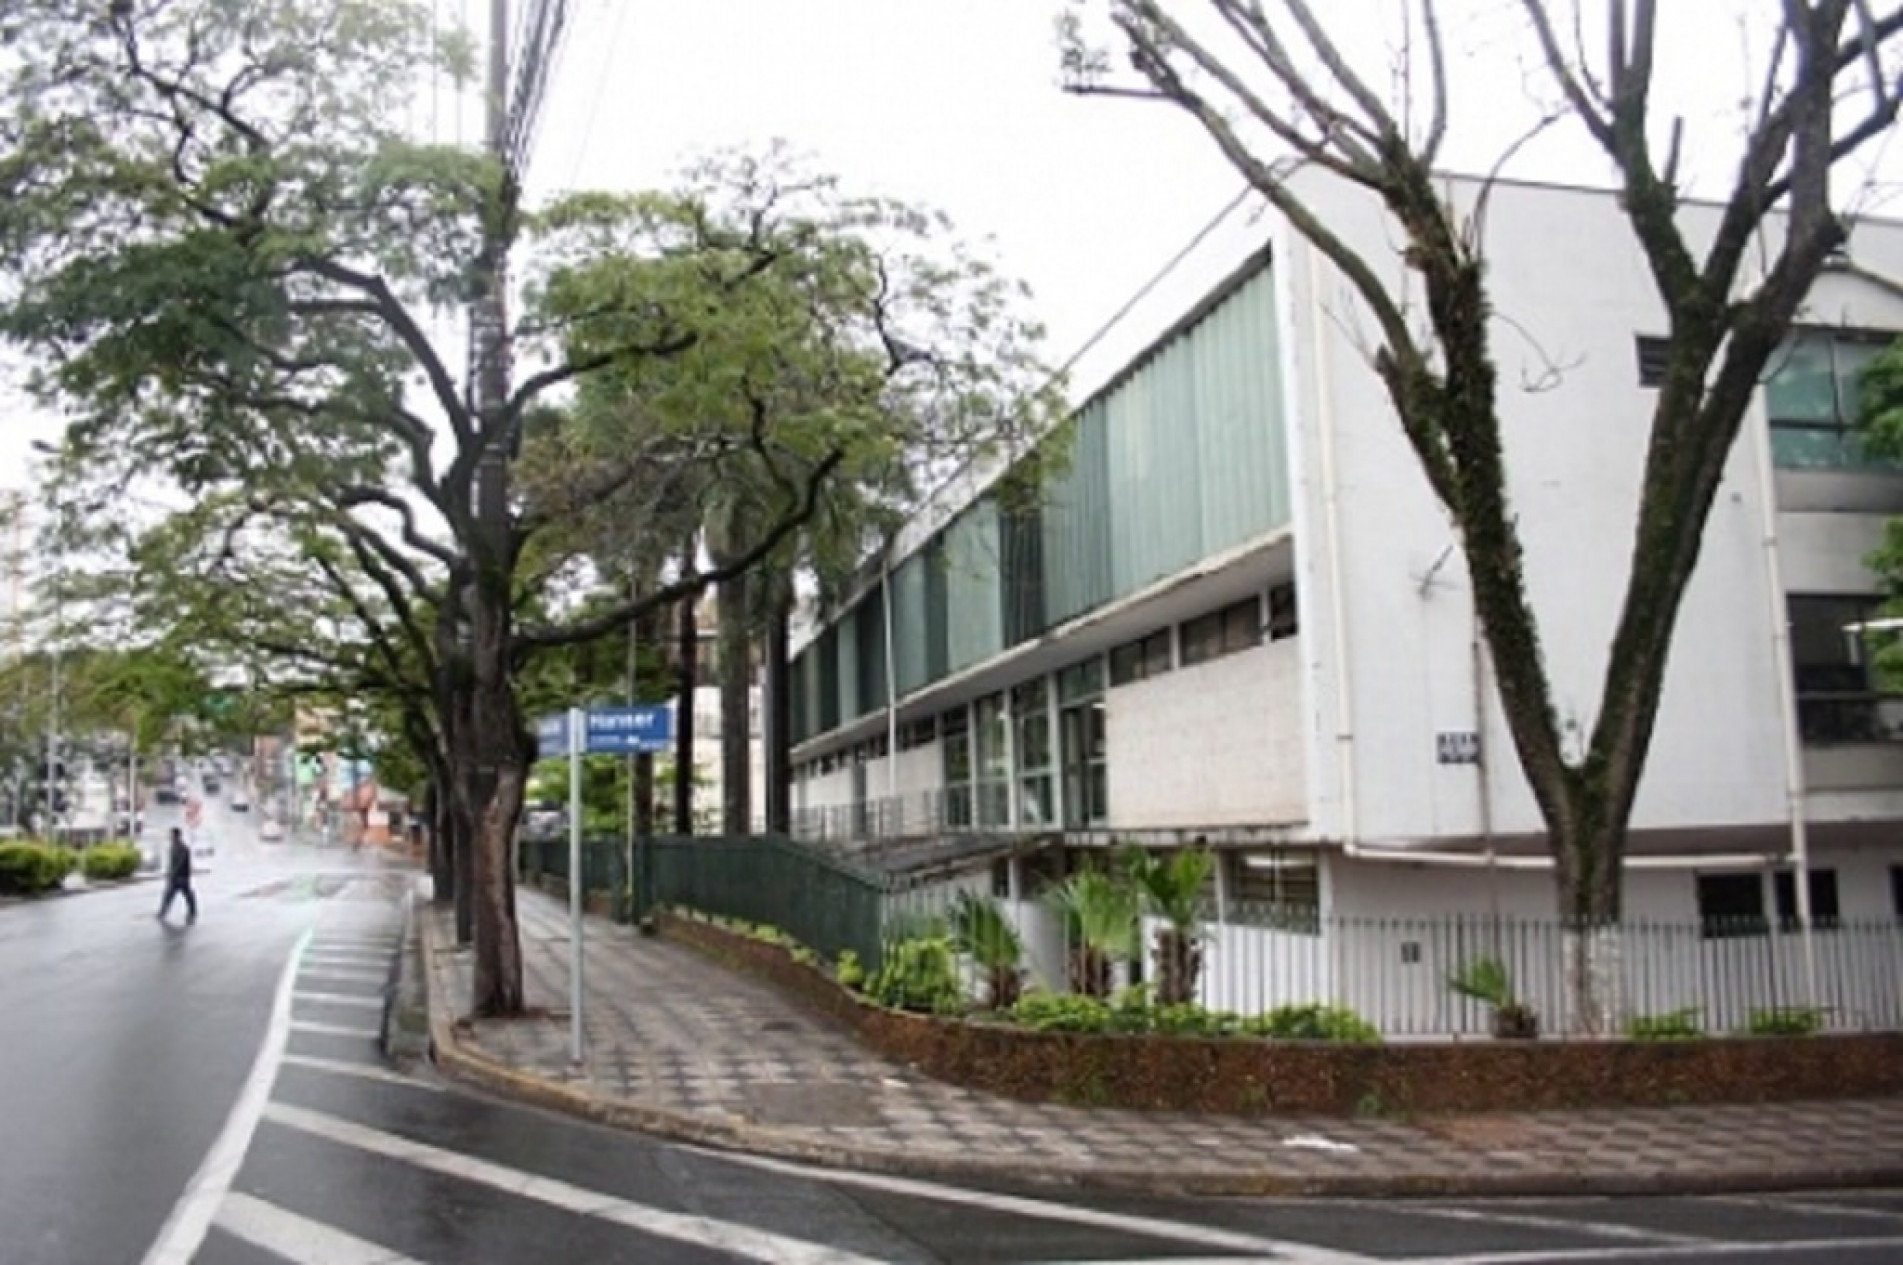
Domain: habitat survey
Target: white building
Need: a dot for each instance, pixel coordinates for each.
(1236, 614)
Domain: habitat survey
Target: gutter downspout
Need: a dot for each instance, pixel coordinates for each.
(1794, 789)
(891, 696)
(1347, 822)
(1483, 790)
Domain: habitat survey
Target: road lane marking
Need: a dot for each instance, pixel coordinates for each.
(348, 977)
(1811, 1207)
(299, 1239)
(365, 1071)
(705, 1232)
(179, 1238)
(1698, 1251)
(1048, 1210)
(1533, 1221)
(339, 999)
(334, 1029)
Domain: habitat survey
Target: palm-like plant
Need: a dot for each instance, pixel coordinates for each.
(1100, 915)
(1171, 888)
(980, 930)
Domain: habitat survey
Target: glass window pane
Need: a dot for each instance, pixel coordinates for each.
(1802, 388)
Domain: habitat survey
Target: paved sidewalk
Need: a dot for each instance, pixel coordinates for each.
(681, 1047)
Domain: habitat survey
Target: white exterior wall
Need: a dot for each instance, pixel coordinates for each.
(1219, 743)
(1573, 449)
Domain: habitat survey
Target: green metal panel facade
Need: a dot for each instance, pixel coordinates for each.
(1182, 458)
(908, 624)
(974, 606)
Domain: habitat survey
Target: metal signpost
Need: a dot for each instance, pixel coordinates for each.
(593, 731)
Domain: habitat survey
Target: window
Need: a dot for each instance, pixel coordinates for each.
(1823, 900)
(1282, 618)
(1730, 905)
(1812, 398)
(918, 733)
(1896, 890)
(1234, 627)
(1031, 714)
(954, 727)
(1141, 659)
(990, 727)
(1831, 650)
(1654, 353)
(1281, 890)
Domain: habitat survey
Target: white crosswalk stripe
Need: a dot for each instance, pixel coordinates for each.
(338, 999)
(334, 1029)
(702, 1232)
(298, 1239)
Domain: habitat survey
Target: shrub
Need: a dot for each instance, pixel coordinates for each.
(849, 971)
(1312, 1021)
(919, 974)
(109, 861)
(27, 869)
(1784, 1021)
(1062, 1012)
(1673, 1025)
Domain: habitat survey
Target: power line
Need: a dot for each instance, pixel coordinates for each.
(600, 93)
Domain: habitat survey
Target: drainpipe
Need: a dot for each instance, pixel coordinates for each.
(1347, 816)
(1485, 802)
(1794, 788)
(891, 692)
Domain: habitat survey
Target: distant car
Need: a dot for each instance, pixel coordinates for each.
(271, 831)
(238, 801)
(211, 785)
(165, 793)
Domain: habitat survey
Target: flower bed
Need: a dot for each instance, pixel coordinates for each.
(1254, 1076)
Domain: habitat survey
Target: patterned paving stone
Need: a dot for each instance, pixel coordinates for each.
(692, 1044)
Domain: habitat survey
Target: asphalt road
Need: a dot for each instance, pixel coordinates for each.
(219, 1094)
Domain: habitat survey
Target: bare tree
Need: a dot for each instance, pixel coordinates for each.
(1275, 88)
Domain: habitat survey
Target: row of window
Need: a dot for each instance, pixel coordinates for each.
(1281, 889)
(1733, 904)
(1032, 751)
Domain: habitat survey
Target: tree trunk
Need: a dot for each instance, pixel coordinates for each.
(736, 745)
(777, 721)
(1589, 871)
(494, 744)
(688, 668)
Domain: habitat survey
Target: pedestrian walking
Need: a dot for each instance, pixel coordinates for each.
(178, 878)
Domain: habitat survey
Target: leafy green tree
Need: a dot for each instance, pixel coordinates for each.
(224, 253)
(1277, 86)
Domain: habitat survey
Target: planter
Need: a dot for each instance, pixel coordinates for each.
(1516, 1023)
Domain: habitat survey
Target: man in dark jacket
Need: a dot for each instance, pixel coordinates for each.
(178, 877)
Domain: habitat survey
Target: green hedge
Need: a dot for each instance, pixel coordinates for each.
(109, 861)
(27, 869)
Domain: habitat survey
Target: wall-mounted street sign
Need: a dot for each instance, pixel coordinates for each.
(609, 731)
(1458, 746)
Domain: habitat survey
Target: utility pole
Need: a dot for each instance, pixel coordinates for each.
(490, 313)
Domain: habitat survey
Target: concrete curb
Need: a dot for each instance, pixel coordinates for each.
(471, 1066)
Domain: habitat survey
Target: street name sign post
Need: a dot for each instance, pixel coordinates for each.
(593, 731)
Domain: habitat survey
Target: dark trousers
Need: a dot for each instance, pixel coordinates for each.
(177, 886)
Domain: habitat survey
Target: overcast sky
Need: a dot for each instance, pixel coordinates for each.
(955, 104)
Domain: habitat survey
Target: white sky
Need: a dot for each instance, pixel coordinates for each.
(955, 104)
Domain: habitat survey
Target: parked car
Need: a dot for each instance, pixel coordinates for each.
(238, 800)
(271, 831)
(211, 785)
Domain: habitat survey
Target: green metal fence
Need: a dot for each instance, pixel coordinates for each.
(822, 903)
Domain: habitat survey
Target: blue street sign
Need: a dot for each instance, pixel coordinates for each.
(629, 730)
(551, 736)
